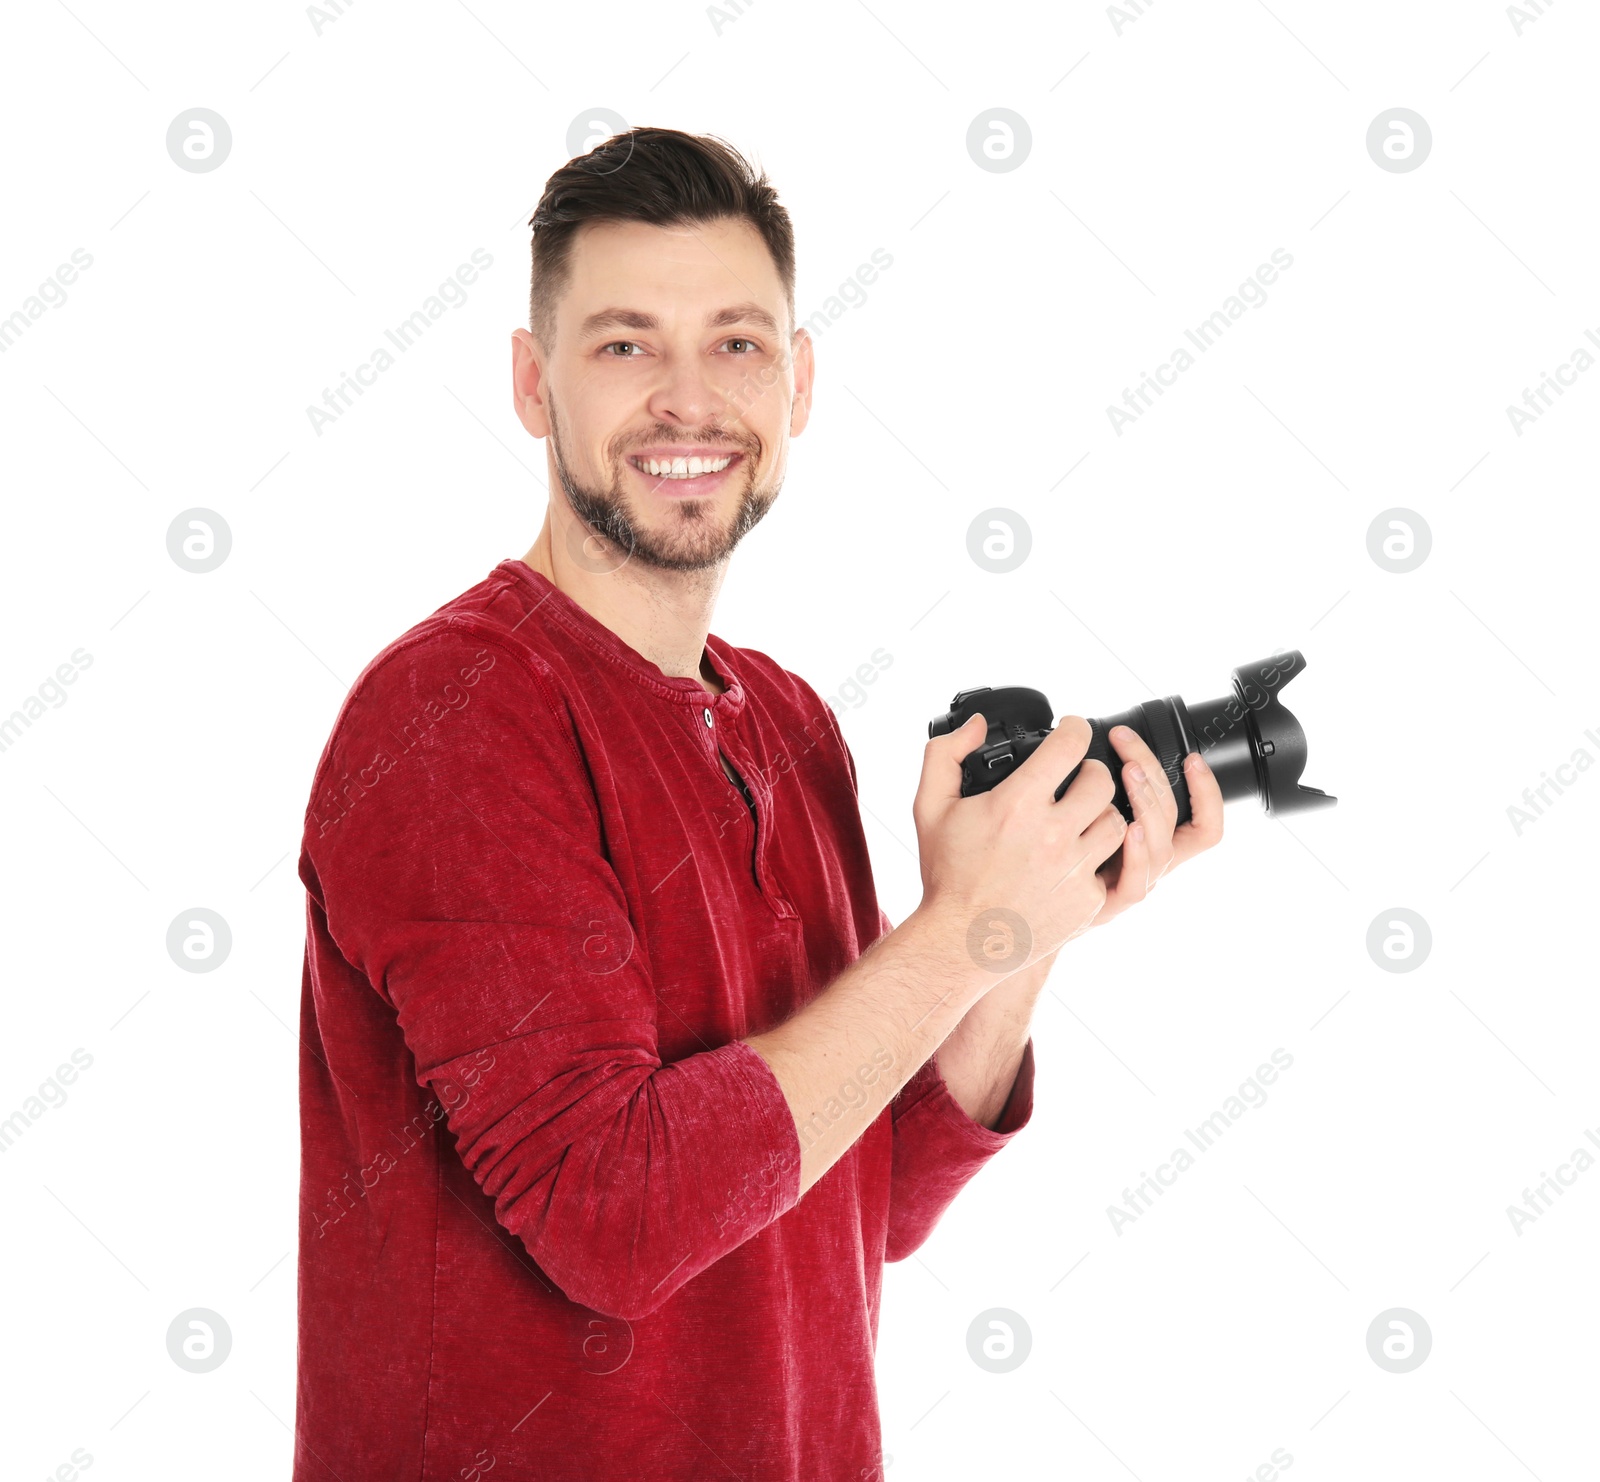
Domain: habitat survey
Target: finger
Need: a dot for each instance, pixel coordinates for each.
(1105, 835)
(1133, 876)
(940, 783)
(1204, 828)
(1037, 779)
(1154, 806)
(1090, 795)
(1094, 846)
(1135, 752)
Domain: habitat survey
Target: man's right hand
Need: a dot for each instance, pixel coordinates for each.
(1015, 847)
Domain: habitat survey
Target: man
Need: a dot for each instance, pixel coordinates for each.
(618, 1089)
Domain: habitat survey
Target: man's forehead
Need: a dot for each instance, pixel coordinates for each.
(719, 264)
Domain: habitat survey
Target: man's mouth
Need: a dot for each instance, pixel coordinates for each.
(685, 473)
(682, 468)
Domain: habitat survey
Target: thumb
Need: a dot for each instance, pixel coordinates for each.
(940, 783)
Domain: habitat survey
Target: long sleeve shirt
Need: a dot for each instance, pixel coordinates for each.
(550, 1222)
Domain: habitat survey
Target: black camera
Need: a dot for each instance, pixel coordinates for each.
(1250, 741)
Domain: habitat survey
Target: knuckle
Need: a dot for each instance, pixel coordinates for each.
(1076, 730)
(1098, 779)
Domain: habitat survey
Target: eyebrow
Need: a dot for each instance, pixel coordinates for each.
(615, 318)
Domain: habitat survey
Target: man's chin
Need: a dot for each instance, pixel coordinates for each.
(688, 547)
(687, 535)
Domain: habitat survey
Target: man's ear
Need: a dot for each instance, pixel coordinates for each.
(805, 370)
(527, 383)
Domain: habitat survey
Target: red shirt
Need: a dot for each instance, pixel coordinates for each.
(549, 1224)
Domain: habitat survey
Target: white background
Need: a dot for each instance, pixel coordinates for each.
(1167, 162)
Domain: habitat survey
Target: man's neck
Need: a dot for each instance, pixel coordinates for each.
(663, 616)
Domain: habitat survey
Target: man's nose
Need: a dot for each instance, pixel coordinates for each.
(687, 393)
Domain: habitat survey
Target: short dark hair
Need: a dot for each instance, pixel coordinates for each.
(661, 176)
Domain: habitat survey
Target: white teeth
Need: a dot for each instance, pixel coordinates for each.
(683, 468)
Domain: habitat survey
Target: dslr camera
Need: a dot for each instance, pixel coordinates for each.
(1249, 739)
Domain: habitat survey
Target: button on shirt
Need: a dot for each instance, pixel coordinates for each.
(550, 1220)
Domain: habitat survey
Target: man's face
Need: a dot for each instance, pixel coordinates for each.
(671, 390)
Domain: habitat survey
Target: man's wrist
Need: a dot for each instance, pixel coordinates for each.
(938, 935)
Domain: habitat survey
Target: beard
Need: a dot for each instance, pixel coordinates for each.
(694, 537)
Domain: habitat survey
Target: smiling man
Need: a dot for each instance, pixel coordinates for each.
(618, 1088)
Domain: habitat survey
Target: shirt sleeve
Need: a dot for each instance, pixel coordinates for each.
(466, 877)
(938, 1148)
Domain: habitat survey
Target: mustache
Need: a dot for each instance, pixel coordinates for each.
(699, 439)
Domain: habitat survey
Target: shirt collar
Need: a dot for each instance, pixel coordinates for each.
(551, 602)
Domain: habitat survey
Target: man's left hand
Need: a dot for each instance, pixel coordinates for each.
(1153, 845)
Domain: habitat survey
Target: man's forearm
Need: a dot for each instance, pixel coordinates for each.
(842, 1057)
(980, 1059)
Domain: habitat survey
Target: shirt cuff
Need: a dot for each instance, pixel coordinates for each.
(930, 1095)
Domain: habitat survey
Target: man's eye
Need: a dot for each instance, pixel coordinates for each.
(621, 345)
(751, 345)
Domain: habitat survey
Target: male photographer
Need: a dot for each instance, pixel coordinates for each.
(618, 1090)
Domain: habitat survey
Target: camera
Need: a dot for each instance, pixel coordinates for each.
(1250, 740)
